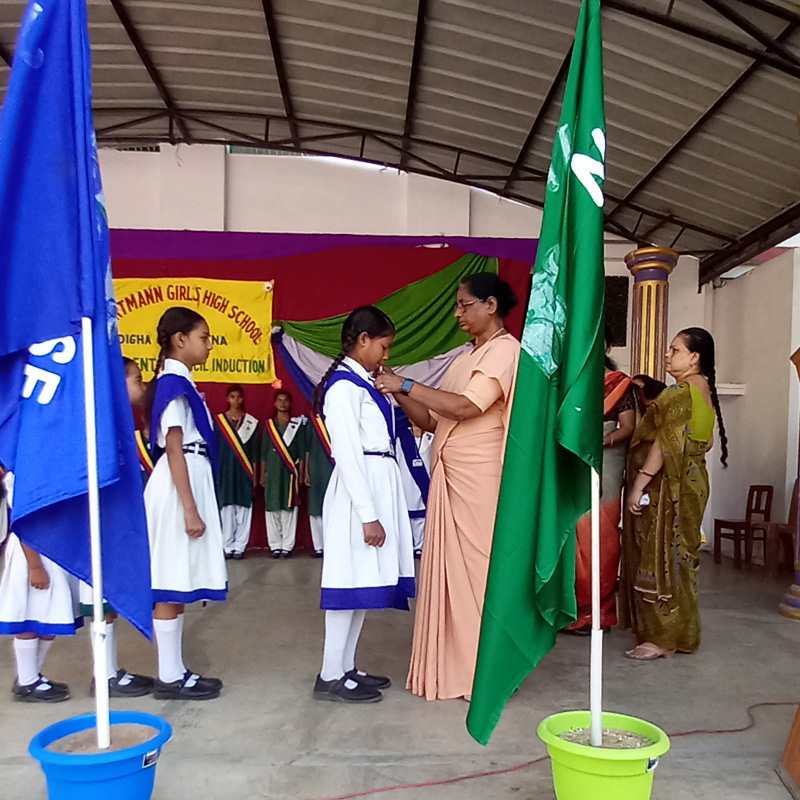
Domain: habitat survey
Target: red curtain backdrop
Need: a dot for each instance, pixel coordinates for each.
(308, 285)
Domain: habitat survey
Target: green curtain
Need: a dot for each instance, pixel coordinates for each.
(422, 313)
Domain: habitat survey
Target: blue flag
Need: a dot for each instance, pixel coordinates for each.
(55, 269)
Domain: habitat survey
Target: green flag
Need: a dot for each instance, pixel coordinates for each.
(555, 435)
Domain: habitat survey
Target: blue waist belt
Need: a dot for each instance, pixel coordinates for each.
(198, 448)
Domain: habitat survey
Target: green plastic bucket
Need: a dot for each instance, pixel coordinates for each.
(581, 772)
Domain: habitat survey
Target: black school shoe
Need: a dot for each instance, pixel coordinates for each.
(370, 681)
(277, 553)
(40, 691)
(286, 553)
(203, 689)
(238, 556)
(58, 685)
(137, 686)
(337, 692)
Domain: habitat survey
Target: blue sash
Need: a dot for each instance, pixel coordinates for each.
(384, 405)
(408, 444)
(168, 387)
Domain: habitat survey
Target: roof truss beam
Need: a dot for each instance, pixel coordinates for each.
(762, 238)
(155, 76)
(710, 37)
(280, 69)
(555, 87)
(753, 30)
(413, 79)
(699, 123)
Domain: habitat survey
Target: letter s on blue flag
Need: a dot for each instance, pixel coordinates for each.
(54, 269)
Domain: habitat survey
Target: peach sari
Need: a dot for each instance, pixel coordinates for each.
(467, 463)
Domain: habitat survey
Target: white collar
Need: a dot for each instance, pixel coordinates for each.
(357, 368)
(174, 367)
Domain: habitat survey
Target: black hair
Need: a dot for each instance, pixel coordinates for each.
(129, 363)
(651, 388)
(609, 362)
(366, 319)
(700, 341)
(177, 319)
(484, 285)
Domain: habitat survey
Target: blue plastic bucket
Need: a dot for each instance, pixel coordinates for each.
(122, 774)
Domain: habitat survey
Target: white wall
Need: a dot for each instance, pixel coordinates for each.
(203, 187)
(752, 321)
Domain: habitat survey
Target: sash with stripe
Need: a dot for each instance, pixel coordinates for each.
(235, 443)
(145, 459)
(385, 407)
(286, 458)
(323, 436)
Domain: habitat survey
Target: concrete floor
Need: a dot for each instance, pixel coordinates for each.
(266, 737)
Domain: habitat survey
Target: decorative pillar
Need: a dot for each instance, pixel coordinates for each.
(650, 267)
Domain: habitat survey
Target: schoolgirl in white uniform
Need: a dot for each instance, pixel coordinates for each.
(369, 561)
(187, 558)
(38, 601)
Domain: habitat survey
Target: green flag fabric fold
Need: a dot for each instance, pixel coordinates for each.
(555, 434)
(422, 313)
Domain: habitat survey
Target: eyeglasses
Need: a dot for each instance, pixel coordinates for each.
(462, 307)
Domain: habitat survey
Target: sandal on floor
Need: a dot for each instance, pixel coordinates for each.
(642, 653)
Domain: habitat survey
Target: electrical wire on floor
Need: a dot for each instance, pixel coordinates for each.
(489, 773)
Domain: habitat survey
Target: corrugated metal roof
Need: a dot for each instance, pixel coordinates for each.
(701, 96)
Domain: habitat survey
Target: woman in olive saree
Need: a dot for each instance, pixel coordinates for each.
(661, 539)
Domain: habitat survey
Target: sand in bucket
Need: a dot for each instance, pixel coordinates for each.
(613, 738)
(84, 743)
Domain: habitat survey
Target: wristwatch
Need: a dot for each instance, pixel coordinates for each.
(406, 386)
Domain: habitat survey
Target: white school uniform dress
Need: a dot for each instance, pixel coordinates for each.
(183, 569)
(45, 612)
(363, 488)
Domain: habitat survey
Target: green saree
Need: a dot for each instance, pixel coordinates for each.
(660, 548)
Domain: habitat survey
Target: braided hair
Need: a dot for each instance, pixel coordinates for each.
(700, 341)
(177, 319)
(366, 319)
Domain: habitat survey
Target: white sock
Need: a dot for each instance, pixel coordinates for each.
(111, 650)
(168, 640)
(44, 647)
(337, 628)
(26, 653)
(180, 654)
(352, 639)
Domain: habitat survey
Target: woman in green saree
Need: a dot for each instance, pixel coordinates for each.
(661, 539)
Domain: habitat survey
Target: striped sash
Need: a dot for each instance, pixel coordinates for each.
(286, 458)
(235, 443)
(323, 435)
(145, 459)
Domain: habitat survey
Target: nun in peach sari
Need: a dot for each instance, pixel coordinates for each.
(469, 417)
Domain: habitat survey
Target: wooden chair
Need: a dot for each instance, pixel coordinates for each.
(775, 535)
(759, 510)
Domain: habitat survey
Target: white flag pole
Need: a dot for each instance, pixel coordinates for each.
(596, 666)
(99, 625)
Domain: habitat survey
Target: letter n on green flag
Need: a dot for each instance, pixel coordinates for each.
(555, 435)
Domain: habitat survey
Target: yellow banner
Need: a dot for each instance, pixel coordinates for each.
(238, 313)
